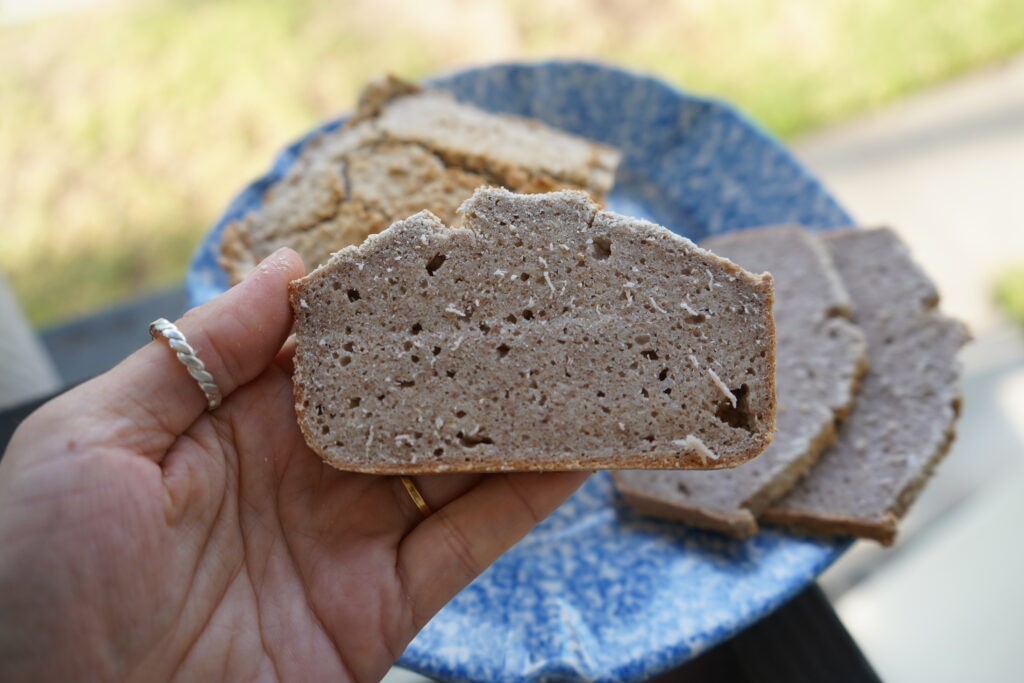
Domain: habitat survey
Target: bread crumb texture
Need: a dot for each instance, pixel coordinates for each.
(538, 334)
(405, 150)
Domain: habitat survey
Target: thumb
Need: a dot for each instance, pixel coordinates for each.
(150, 399)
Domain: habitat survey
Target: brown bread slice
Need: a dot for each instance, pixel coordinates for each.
(904, 417)
(542, 334)
(821, 356)
(405, 150)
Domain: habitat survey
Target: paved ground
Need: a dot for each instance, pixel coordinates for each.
(946, 169)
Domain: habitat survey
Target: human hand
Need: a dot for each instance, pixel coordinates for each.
(145, 538)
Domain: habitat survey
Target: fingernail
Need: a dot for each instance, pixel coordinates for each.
(276, 261)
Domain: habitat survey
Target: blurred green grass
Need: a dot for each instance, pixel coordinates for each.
(1009, 291)
(126, 128)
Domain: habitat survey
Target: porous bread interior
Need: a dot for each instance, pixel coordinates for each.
(406, 150)
(820, 358)
(542, 334)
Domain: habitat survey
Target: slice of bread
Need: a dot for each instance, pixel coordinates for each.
(405, 150)
(903, 420)
(821, 356)
(542, 334)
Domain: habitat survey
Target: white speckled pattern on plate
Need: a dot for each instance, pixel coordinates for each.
(597, 592)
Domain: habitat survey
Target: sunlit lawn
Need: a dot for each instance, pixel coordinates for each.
(124, 130)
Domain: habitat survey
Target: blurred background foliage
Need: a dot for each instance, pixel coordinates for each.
(126, 128)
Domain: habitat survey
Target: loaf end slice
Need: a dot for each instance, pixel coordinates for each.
(903, 421)
(404, 150)
(821, 356)
(540, 334)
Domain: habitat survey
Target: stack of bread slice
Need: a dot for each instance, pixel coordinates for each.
(853, 448)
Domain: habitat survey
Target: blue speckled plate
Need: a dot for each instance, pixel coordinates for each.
(597, 592)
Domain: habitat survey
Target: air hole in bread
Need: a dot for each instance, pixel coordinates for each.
(472, 441)
(450, 373)
(435, 263)
(348, 346)
(436, 350)
(642, 339)
(414, 358)
(438, 452)
(325, 429)
(484, 327)
(600, 394)
(682, 488)
(406, 383)
(602, 248)
(407, 345)
(528, 314)
(353, 295)
(663, 374)
(512, 318)
(503, 350)
(345, 360)
(739, 416)
(460, 414)
(650, 354)
(524, 276)
(644, 393)
(696, 318)
(416, 329)
(354, 402)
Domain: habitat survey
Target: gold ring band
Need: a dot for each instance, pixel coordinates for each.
(416, 496)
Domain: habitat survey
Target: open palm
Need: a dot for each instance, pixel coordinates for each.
(147, 539)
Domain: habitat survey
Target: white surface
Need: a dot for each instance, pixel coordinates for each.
(397, 675)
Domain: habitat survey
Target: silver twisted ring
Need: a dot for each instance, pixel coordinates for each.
(162, 327)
